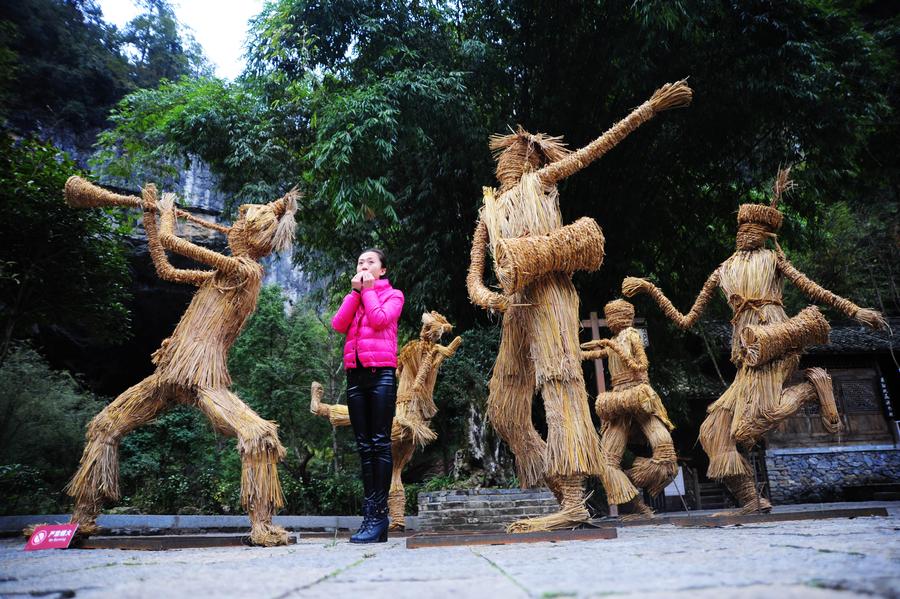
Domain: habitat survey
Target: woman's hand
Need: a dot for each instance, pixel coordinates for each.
(356, 281)
(368, 280)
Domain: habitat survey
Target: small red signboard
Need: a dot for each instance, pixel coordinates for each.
(51, 536)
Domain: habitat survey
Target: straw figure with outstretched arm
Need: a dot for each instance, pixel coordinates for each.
(765, 346)
(534, 257)
(191, 365)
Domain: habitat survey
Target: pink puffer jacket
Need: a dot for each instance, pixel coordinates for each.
(369, 319)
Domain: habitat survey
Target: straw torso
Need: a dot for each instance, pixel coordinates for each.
(752, 284)
(621, 375)
(414, 354)
(197, 351)
(549, 304)
(751, 279)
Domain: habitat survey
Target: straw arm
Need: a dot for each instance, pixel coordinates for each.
(574, 162)
(597, 349)
(447, 352)
(479, 294)
(164, 268)
(173, 243)
(595, 354)
(638, 355)
(631, 286)
(667, 97)
(425, 367)
(819, 294)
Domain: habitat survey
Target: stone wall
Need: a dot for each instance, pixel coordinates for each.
(482, 509)
(798, 475)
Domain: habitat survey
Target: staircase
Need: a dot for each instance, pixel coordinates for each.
(714, 496)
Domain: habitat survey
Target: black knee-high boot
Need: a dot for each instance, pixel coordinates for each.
(369, 500)
(380, 405)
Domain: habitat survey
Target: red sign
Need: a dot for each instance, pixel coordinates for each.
(51, 536)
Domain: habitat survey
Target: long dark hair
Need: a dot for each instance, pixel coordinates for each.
(378, 252)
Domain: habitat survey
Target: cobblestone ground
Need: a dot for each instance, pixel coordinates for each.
(814, 558)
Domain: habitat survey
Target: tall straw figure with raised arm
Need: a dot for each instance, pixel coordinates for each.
(534, 257)
(191, 365)
(765, 345)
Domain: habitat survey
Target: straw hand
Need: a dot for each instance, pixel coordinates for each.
(632, 286)
(595, 344)
(871, 318)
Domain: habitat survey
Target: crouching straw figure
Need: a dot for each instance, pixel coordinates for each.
(534, 257)
(765, 346)
(417, 370)
(191, 364)
(631, 402)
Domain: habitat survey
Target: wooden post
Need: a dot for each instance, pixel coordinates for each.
(598, 364)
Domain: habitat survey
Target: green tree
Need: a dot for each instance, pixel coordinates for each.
(162, 47)
(61, 65)
(43, 413)
(60, 267)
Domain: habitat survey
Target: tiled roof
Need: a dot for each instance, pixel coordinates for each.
(847, 337)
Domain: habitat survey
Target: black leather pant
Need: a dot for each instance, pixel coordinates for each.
(371, 400)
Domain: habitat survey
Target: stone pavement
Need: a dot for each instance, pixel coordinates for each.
(813, 558)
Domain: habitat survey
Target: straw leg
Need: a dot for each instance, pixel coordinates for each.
(97, 478)
(573, 447)
(339, 415)
(402, 452)
(656, 472)
(569, 491)
(511, 390)
(637, 510)
(744, 490)
(260, 452)
(817, 388)
(724, 457)
(614, 438)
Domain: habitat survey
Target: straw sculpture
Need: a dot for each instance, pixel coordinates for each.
(765, 346)
(417, 370)
(534, 257)
(191, 365)
(632, 402)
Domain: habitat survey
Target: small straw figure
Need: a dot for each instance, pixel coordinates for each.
(765, 347)
(632, 402)
(191, 365)
(534, 257)
(417, 370)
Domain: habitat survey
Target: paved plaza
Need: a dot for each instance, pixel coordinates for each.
(811, 558)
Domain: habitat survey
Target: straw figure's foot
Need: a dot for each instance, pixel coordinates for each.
(760, 506)
(265, 534)
(744, 490)
(569, 517)
(29, 530)
(637, 510)
(317, 393)
(570, 495)
(821, 382)
(87, 528)
(397, 526)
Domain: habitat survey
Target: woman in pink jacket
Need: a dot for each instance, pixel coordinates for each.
(368, 316)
